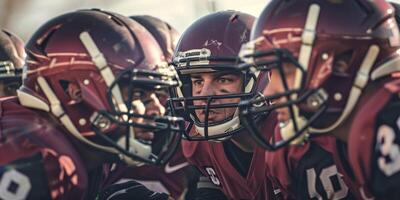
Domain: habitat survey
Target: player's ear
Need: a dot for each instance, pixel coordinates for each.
(73, 90)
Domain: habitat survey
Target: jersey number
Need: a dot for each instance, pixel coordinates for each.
(14, 185)
(326, 176)
(213, 176)
(389, 161)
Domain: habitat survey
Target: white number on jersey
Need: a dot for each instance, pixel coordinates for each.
(213, 176)
(389, 149)
(14, 185)
(325, 178)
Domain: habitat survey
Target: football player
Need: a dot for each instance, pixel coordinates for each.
(89, 97)
(12, 58)
(212, 88)
(169, 178)
(332, 65)
(376, 125)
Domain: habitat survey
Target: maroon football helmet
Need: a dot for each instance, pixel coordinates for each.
(12, 58)
(322, 54)
(166, 35)
(211, 45)
(113, 61)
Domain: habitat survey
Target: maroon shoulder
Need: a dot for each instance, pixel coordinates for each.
(16, 123)
(192, 150)
(29, 138)
(373, 134)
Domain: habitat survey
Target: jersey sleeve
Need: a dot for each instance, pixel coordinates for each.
(385, 176)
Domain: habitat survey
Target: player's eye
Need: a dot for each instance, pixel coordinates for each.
(197, 82)
(137, 94)
(224, 80)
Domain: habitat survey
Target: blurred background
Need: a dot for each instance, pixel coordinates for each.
(23, 17)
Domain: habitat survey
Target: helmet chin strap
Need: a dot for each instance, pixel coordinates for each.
(287, 131)
(230, 125)
(136, 148)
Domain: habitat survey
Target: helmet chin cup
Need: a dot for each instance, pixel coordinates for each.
(135, 147)
(288, 131)
(226, 127)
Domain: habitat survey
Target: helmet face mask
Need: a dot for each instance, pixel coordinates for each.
(319, 67)
(100, 74)
(206, 56)
(211, 110)
(216, 108)
(12, 55)
(151, 131)
(286, 97)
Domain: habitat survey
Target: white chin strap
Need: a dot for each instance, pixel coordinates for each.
(287, 130)
(222, 128)
(136, 148)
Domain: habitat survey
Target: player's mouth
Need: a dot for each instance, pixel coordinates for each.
(144, 135)
(212, 115)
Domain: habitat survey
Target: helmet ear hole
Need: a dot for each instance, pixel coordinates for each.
(342, 62)
(72, 90)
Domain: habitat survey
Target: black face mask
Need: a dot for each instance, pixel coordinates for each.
(277, 59)
(166, 130)
(183, 104)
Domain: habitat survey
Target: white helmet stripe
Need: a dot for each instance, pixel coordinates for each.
(105, 71)
(359, 83)
(58, 111)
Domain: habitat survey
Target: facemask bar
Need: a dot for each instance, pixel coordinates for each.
(184, 103)
(267, 61)
(8, 70)
(185, 107)
(166, 129)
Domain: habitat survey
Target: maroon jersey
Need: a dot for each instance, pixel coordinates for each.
(37, 161)
(315, 170)
(210, 158)
(374, 142)
(168, 179)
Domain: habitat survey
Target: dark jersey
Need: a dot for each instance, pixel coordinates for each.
(36, 159)
(314, 170)
(210, 158)
(374, 142)
(169, 178)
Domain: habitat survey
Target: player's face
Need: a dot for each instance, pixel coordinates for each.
(216, 83)
(145, 102)
(276, 86)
